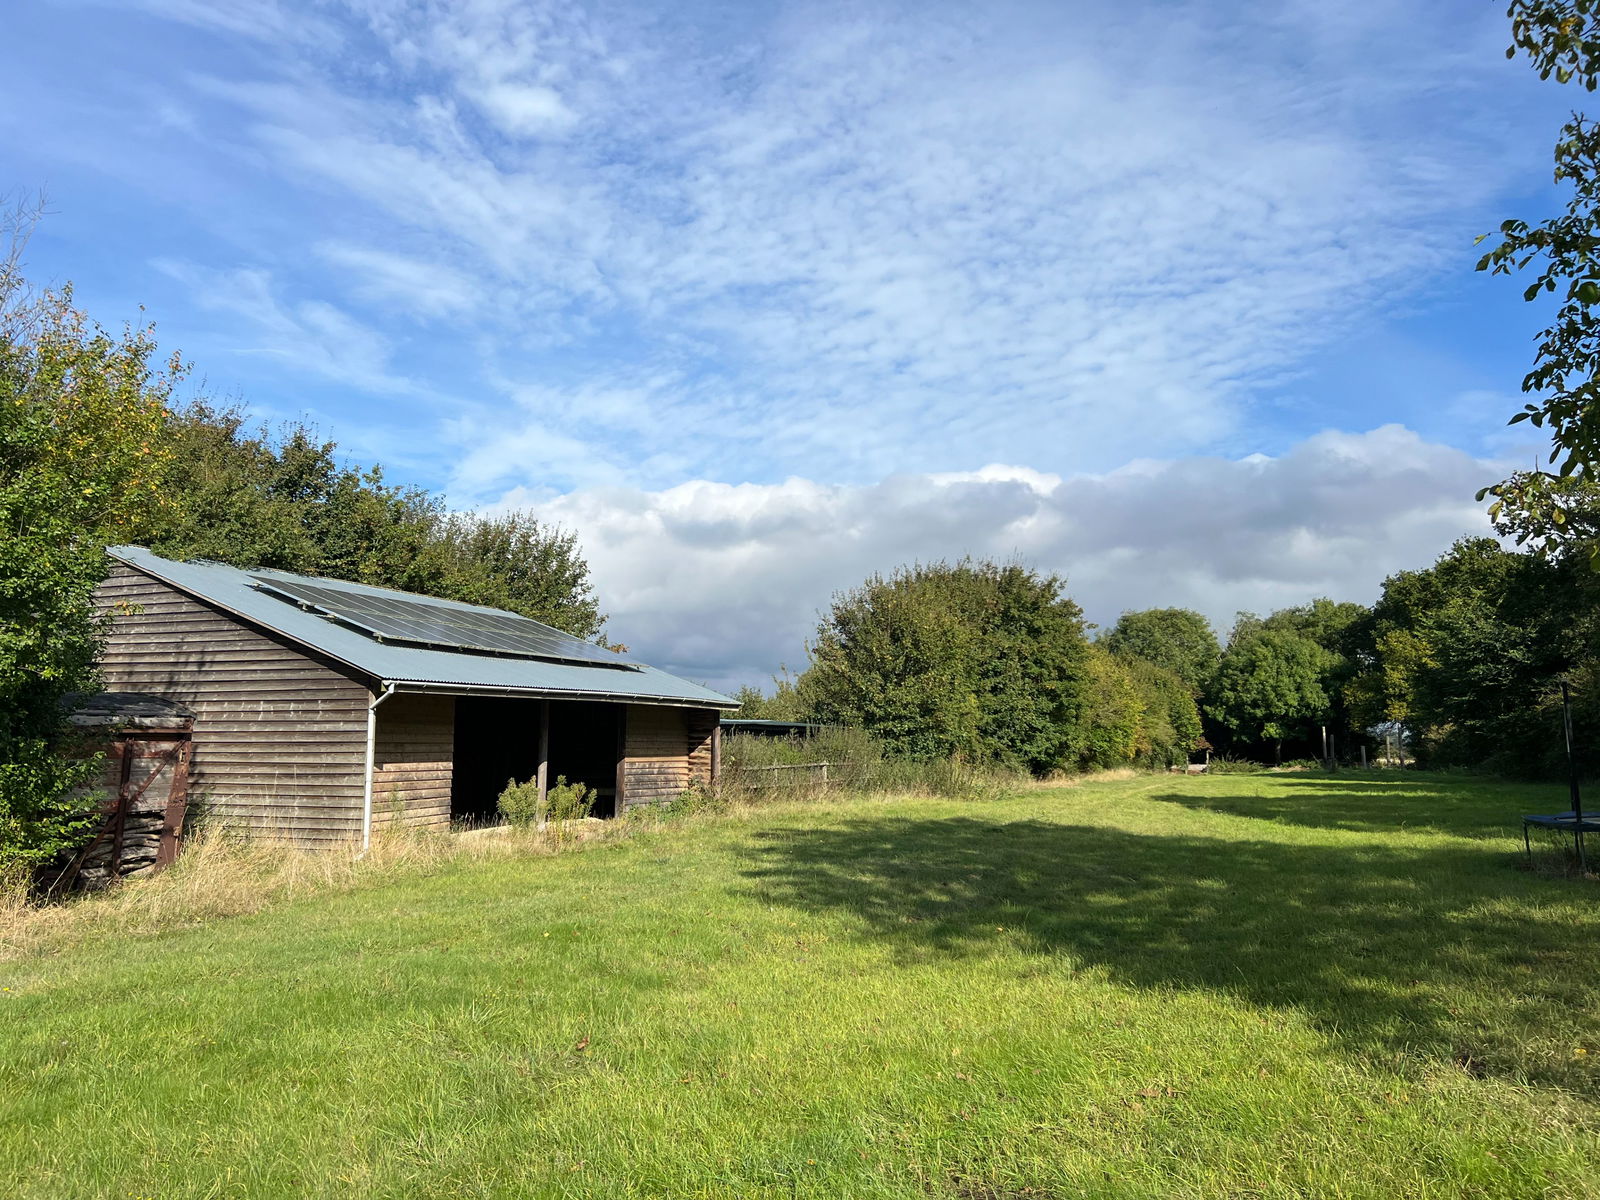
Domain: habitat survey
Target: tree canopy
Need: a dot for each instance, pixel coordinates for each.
(978, 660)
(82, 458)
(1268, 681)
(1562, 39)
(255, 497)
(1469, 654)
(1179, 640)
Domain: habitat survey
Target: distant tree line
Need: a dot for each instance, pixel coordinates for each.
(987, 662)
(95, 449)
(1459, 664)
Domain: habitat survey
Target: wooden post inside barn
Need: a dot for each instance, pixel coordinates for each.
(544, 761)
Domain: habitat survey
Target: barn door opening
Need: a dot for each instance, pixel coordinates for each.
(585, 746)
(496, 741)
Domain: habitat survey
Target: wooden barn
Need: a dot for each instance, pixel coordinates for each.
(324, 709)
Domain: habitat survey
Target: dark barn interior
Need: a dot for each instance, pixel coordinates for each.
(497, 740)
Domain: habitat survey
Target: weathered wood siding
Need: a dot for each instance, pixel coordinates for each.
(702, 724)
(655, 754)
(665, 749)
(413, 757)
(279, 737)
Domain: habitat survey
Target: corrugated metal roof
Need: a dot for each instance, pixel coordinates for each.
(412, 666)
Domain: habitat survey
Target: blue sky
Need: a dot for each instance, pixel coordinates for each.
(1175, 299)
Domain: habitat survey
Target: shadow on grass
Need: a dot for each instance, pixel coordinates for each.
(1386, 948)
(1369, 804)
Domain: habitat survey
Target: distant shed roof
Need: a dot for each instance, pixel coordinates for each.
(414, 667)
(763, 726)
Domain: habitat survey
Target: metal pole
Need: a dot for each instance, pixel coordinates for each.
(372, 764)
(1572, 777)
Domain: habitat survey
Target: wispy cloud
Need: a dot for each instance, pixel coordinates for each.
(400, 283)
(311, 337)
(1056, 236)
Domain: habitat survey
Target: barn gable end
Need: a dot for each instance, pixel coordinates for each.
(279, 738)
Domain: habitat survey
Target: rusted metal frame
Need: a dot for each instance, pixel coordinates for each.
(170, 754)
(69, 873)
(177, 807)
(137, 749)
(120, 805)
(114, 810)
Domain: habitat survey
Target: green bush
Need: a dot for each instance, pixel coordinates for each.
(981, 661)
(1222, 764)
(81, 412)
(569, 801)
(519, 802)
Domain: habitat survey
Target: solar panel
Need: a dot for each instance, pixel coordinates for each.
(433, 626)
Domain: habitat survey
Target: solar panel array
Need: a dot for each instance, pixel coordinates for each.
(433, 626)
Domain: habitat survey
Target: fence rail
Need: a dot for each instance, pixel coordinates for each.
(816, 772)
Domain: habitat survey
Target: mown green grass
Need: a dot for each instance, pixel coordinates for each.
(1239, 986)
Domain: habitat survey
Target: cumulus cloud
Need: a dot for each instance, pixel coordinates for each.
(724, 582)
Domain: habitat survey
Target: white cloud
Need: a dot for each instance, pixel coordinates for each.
(311, 337)
(397, 282)
(262, 20)
(522, 108)
(1058, 236)
(724, 582)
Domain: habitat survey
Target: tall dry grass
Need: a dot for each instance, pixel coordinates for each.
(221, 874)
(225, 874)
(857, 762)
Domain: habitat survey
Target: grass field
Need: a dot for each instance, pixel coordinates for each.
(1237, 986)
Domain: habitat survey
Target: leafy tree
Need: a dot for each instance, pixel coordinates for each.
(1177, 639)
(81, 416)
(247, 497)
(253, 498)
(510, 561)
(1326, 622)
(1468, 655)
(1169, 725)
(1555, 518)
(1338, 628)
(786, 703)
(1269, 680)
(1561, 38)
(974, 660)
(1113, 714)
